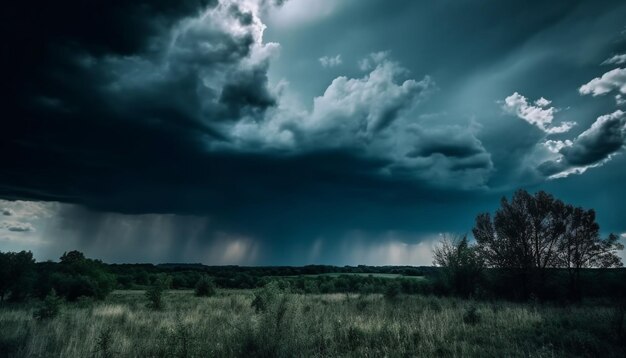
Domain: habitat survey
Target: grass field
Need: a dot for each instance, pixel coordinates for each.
(360, 274)
(295, 325)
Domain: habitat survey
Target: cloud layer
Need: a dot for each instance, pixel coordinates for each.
(219, 124)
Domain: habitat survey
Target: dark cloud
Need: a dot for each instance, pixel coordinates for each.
(103, 114)
(604, 138)
(173, 117)
(16, 226)
(245, 18)
(455, 142)
(7, 212)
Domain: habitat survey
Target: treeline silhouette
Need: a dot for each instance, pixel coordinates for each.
(534, 247)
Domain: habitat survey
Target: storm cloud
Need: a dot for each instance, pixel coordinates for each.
(605, 137)
(258, 131)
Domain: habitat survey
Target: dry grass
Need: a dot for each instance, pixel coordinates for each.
(308, 325)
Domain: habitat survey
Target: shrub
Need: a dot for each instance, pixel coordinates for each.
(205, 287)
(50, 308)
(265, 296)
(154, 294)
(471, 316)
(392, 290)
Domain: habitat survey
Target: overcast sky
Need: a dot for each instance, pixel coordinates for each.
(262, 132)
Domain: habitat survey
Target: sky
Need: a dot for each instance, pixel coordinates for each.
(294, 132)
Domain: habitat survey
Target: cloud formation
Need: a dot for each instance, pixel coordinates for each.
(539, 114)
(182, 133)
(330, 61)
(615, 60)
(16, 226)
(605, 138)
(373, 115)
(610, 81)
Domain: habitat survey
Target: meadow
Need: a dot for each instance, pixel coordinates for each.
(232, 323)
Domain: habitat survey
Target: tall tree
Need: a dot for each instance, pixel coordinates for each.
(461, 265)
(523, 236)
(532, 233)
(582, 247)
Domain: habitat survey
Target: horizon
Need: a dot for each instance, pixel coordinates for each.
(303, 132)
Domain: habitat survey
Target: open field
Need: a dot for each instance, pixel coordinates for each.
(226, 325)
(359, 274)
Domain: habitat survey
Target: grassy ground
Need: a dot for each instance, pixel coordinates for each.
(309, 325)
(361, 274)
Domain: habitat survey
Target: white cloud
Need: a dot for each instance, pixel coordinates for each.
(330, 61)
(360, 107)
(542, 102)
(28, 210)
(612, 80)
(538, 115)
(615, 60)
(372, 60)
(555, 146)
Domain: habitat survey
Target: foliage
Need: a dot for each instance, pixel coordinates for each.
(530, 235)
(205, 287)
(16, 275)
(264, 297)
(78, 276)
(154, 294)
(50, 307)
(392, 291)
(461, 263)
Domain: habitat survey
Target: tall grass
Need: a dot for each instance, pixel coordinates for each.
(226, 325)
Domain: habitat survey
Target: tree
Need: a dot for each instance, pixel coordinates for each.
(531, 234)
(17, 274)
(72, 257)
(523, 237)
(582, 247)
(461, 265)
(79, 276)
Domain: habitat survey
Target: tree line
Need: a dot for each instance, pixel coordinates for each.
(533, 246)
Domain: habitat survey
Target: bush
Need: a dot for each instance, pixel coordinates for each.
(471, 316)
(154, 294)
(392, 290)
(50, 308)
(265, 296)
(205, 287)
